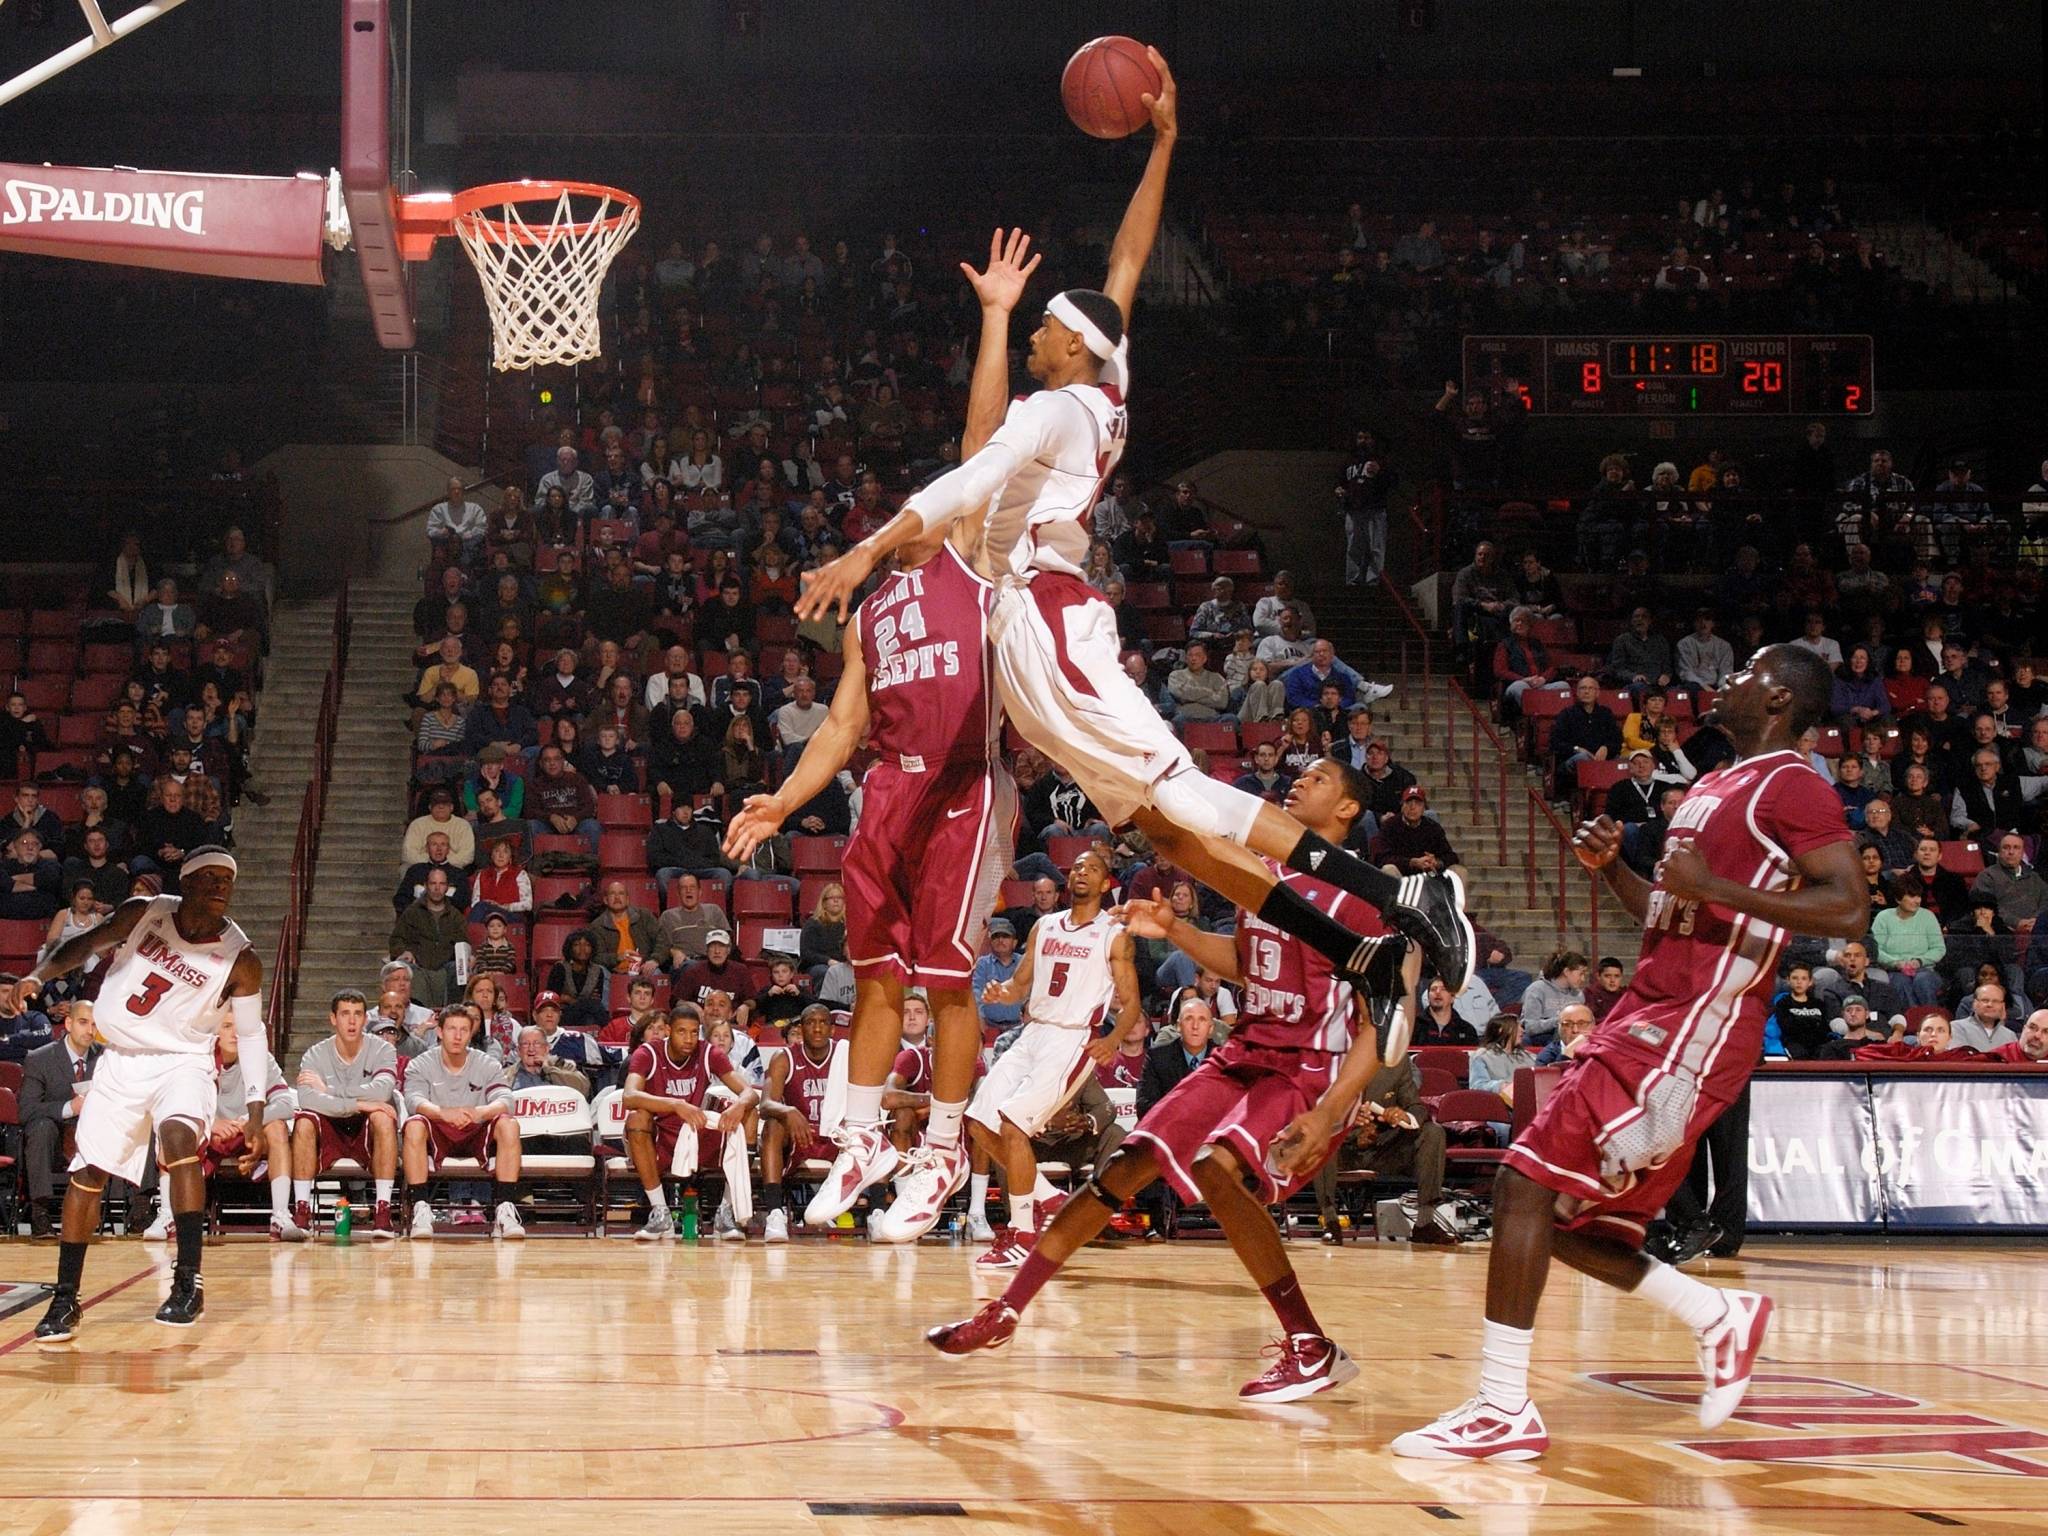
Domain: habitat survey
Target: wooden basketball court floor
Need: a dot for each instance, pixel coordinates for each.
(560, 1387)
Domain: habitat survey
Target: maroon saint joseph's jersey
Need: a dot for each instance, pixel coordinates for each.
(805, 1090)
(687, 1079)
(913, 1068)
(1293, 997)
(924, 637)
(1704, 975)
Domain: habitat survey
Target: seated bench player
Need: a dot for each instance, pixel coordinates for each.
(348, 1105)
(230, 1141)
(666, 1081)
(459, 1106)
(794, 1110)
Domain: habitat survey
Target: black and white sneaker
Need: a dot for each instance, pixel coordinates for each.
(1395, 1024)
(1430, 909)
(61, 1321)
(187, 1300)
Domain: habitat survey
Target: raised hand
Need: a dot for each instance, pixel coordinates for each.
(1165, 107)
(1001, 286)
(833, 584)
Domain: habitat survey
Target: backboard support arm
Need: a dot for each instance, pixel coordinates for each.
(104, 35)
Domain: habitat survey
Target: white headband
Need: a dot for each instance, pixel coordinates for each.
(1115, 355)
(215, 859)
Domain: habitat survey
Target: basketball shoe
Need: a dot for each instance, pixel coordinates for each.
(990, 1328)
(1303, 1365)
(182, 1308)
(1431, 910)
(866, 1156)
(1475, 1430)
(1008, 1251)
(1728, 1352)
(284, 1230)
(380, 1226)
(930, 1177)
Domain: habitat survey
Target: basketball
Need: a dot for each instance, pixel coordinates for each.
(1101, 86)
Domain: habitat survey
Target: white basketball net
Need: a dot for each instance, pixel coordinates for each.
(542, 277)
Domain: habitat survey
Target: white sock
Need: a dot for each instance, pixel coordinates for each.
(281, 1197)
(943, 1129)
(657, 1197)
(1043, 1190)
(302, 1191)
(1504, 1365)
(977, 1194)
(863, 1104)
(1024, 1212)
(1697, 1305)
(384, 1189)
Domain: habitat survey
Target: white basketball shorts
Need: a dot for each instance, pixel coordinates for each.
(1059, 670)
(1031, 1081)
(131, 1094)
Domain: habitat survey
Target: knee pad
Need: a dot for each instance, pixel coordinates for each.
(1206, 806)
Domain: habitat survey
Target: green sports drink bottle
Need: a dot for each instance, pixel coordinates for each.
(344, 1220)
(689, 1215)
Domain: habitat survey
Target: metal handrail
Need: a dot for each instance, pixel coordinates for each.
(284, 974)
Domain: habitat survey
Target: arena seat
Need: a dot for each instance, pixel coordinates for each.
(1472, 1106)
(558, 842)
(46, 695)
(1188, 562)
(1014, 893)
(621, 852)
(1210, 735)
(621, 812)
(559, 1111)
(1963, 858)
(1252, 732)
(1532, 1085)
(1436, 1082)
(547, 889)
(1236, 562)
(1064, 850)
(1596, 777)
(1454, 1059)
(816, 855)
(1148, 596)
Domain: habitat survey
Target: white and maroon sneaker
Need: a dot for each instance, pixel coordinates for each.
(990, 1328)
(866, 1156)
(302, 1216)
(1049, 1207)
(930, 1175)
(1475, 1430)
(284, 1230)
(1304, 1364)
(1010, 1249)
(1728, 1352)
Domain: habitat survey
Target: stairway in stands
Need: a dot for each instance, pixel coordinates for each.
(349, 921)
(1368, 630)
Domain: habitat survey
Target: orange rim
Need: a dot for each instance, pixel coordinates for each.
(465, 208)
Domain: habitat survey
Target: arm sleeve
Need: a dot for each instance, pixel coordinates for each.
(1030, 425)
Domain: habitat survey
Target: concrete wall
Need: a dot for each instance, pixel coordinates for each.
(332, 498)
(1286, 496)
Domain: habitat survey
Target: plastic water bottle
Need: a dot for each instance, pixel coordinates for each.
(344, 1220)
(689, 1215)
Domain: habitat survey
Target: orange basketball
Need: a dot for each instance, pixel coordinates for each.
(1102, 83)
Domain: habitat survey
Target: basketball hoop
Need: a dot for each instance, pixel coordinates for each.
(541, 249)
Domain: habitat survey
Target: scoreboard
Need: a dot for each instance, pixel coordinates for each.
(1675, 375)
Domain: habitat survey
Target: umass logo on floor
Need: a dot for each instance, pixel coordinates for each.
(18, 1295)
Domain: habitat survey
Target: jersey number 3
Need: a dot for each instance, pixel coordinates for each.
(154, 990)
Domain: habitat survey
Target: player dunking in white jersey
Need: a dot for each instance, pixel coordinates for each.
(1057, 659)
(179, 966)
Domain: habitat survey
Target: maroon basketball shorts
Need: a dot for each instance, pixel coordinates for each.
(446, 1141)
(924, 869)
(343, 1138)
(1242, 1097)
(1615, 1138)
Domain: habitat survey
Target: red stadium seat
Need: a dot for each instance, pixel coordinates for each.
(1436, 1082)
(49, 694)
(98, 690)
(760, 898)
(1064, 850)
(117, 659)
(1472, 1106)
(622, 852)
(1188, 562)
(1210, 735)
(79, 730)
(1965, 859)
(65, 802)
(59, 656)
(21, 936)
(642, 891)
(13, 622)
(1014, 893)
(1532, 1086)
(1236, 562)
(1596, 777)
(1252, 732)
(1454, 1059)
(753, 932)
(811, 892)
(1148, 596)
(1166, 629)
(56, 623)
(625, 811)
(558, 842)
(549, 932)
(816, 855)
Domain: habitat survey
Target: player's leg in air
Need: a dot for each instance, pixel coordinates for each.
(933, 1171)
(1206, 1125)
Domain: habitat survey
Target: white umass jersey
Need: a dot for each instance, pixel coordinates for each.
(1071, 984)
(163, 994)
(1067, 443)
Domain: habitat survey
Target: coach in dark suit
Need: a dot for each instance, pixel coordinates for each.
(1166, 1065)
(1395, 1136)
(52, 1093)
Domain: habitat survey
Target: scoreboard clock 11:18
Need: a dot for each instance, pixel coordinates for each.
(1674, 375)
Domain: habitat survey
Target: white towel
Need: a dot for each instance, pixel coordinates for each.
(833, 1111)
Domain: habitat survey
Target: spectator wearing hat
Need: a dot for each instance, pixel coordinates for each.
(571, 1046)
(440, 818)
(998, 965)
(718, 971)
(1635, 798)
(1222, 616)
(684, 842)
(1413, 843)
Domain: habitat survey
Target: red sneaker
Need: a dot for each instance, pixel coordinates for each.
(1728, 1352)
(990, 1328)
(1477, 1431)
(1304, 1364)
(381, 1229)
(1009, 1250)
(1049, 1207)
(302, 1216)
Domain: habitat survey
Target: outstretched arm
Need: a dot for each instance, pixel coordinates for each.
(1123, 973)
(829, 750)
(1134, 237)
(74, 952)
(1000, 288)
(1149, 919)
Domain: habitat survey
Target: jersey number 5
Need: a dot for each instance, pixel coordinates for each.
(154, 990)
(1057, 983)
